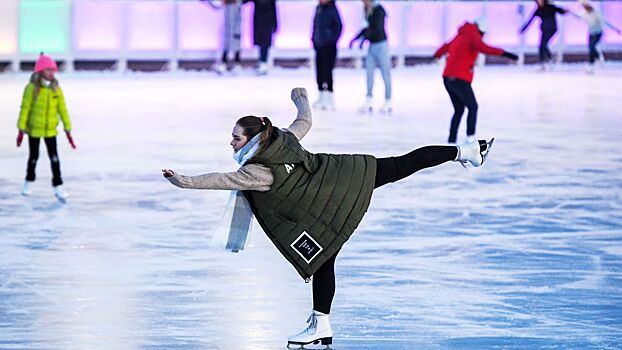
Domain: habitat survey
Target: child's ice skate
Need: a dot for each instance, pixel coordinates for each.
(368, 106)
(387, 108)
(474, 152)
(27, 188)
(317, 332)
(60, 194)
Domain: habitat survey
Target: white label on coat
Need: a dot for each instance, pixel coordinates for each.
(306, 247)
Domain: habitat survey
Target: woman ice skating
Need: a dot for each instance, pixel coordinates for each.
(462, 52)
(595, 24)
(232, 33)
(377, 54)
(43, 102)
(310, 204)
(326, 32)
(548, 27)
(264, 26)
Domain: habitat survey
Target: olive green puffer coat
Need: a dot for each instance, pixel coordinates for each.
(315, 203)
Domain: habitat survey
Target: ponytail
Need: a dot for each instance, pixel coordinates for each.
(252, 126)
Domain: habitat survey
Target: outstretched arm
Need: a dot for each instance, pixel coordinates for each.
(560, 10)
(524, 27)
(441, 50)
(612, 27)
(481, 46)
(603, 22)
(303, 122)
(358, 36)
(252, 177)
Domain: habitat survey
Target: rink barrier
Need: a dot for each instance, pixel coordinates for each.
(174, 31)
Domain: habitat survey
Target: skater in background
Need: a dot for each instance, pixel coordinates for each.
(43, 103)
(264, 26)
(377, 54)
(462, 52)
(595, 24)
(310, 204)
(547, 13)
(326, 32)
(232, 33)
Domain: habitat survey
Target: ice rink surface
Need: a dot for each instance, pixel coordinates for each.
(523, 253)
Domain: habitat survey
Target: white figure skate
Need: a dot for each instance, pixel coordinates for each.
(60, 194)
(387, 108)
(367, 107)
(27, 188)
(320, 103)
(317, 332)
(475, 153)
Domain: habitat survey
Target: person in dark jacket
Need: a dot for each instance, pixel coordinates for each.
(378, 53)
(548, 27)
(462, 52)
(310, 204)
(265, 25)
(326, 32)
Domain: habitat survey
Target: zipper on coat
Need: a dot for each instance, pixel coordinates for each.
(47, 114)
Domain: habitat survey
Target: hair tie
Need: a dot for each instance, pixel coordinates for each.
(262, 122)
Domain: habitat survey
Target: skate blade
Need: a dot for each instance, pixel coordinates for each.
(487, 151)
(301, 345)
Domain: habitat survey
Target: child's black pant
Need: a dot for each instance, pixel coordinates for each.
(33, 146)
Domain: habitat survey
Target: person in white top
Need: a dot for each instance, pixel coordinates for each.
(595, 24)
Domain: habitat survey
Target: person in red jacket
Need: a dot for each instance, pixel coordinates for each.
(462, 52)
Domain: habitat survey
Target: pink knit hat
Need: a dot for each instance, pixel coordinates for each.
(44, 62)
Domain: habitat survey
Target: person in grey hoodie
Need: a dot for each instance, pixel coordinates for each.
(326, 32)
(595, 23)
(310, 204)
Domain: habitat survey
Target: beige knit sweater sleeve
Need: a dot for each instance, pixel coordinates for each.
(251, 177)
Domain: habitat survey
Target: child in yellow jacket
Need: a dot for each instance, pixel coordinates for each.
(43, 102)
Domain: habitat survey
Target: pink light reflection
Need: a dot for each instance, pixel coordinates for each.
(150, 26)
(97, 25)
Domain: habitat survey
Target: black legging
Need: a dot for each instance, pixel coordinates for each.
(547, 33)
(33, 147)
(325, 58)
(594, 39)
(387, 170)
(461, 95)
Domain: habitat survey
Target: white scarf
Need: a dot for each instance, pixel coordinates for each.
(237, 219)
